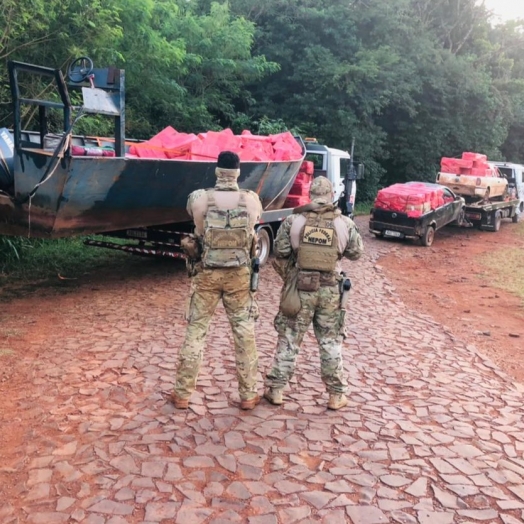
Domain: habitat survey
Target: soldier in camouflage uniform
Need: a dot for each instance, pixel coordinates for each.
(310, 244)
(225, 218)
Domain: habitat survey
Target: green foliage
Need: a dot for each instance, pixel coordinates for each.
(35, 259)
(198, 66)
(363, 208)
(52, 33)
(9, 251)
(411, 80)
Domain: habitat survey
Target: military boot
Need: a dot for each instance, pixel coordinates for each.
(337, 401)
(179, 403)
(249, 404)
(274, 396)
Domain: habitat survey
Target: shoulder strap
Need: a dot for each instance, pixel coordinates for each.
(242, 199)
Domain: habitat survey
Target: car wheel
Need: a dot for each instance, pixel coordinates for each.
(428, 236)
(498, 221)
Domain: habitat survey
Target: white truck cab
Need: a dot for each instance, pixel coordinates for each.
(333, 164)
(514, 174)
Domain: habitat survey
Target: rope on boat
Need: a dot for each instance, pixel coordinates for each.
(61, 148)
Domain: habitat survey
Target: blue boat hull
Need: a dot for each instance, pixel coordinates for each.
(87, 195)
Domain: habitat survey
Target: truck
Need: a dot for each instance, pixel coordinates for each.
(514, 174)
(340, 168)
(47, 192)
(486, 204)
(415, 218)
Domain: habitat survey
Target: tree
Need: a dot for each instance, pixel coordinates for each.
(52, 33)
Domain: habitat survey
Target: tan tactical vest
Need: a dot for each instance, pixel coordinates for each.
(318, 245)
(227, 235)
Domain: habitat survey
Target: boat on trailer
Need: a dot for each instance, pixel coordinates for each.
(47, 192)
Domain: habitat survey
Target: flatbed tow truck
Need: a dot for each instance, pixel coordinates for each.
(485, 212)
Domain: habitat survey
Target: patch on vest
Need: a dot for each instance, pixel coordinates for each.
(318, 236)
(227, 238)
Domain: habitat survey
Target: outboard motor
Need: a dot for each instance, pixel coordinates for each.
(7, 160)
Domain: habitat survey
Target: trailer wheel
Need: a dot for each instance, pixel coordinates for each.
(497, 221)
(515, 218)
(263, 245)
(429, 235)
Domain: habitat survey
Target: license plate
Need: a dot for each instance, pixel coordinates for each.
(396, 234)
(134, 233)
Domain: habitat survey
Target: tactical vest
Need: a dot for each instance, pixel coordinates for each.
(318, 244)
(227, 235)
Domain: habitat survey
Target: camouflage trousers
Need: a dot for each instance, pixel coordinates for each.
(323, 308)
(208, 286)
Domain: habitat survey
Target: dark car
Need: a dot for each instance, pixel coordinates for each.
(395, 224)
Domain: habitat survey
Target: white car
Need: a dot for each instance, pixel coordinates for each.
(484, 187)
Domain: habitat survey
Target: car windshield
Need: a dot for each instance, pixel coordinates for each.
(317, 159)
(508, 173)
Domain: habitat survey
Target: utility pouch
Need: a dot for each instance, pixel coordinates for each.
(290, 304)
(328, 279)
(308, 281)
(191, 246)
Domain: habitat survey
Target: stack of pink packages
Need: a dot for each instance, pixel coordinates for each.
(473, 164)
(170, 144)
(299, 192)
(412, 199)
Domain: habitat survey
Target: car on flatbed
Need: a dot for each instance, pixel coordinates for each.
(417, 222)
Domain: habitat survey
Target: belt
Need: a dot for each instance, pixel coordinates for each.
(328, 279)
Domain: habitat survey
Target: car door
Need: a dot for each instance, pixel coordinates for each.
(520, 185)
(447, 212)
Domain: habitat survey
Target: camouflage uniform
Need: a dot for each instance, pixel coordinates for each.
(322, 307)
(230, 283)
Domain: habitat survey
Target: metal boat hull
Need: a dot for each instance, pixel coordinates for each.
(87, 195)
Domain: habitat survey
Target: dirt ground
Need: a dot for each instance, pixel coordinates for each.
(448, 282)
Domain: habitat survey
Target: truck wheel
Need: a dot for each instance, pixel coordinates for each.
(515, 218)
(497, 221)
(378, 235)
(263, 245)
(428, 236)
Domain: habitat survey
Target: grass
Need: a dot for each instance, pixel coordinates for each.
(35, 259)
(362, 208)
(506, 267)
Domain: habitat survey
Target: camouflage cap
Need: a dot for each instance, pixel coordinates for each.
(320, 187)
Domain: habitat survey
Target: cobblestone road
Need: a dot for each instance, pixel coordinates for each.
(434, 433)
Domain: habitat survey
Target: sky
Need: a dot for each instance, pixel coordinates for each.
(507, 9)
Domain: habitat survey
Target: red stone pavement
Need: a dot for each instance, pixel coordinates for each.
(433, 434)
